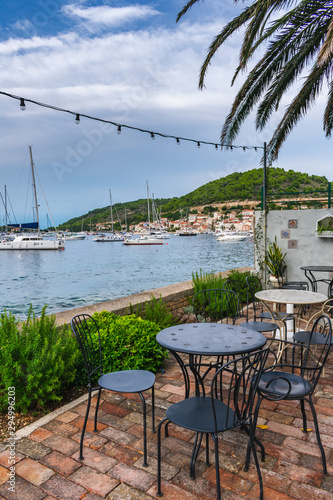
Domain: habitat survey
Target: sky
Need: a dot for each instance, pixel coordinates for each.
(131, 63)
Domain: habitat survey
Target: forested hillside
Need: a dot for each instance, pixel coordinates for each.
(237, 187)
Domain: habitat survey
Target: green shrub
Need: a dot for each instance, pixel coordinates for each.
(205, 281)
(37, 358)
(156, 311)
(127, 342)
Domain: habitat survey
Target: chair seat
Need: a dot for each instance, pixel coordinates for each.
(196, 414)
(304, 336)
(299, 387)
(127, 381)
(260, 326)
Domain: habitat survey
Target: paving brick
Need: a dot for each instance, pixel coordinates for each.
(228, 480)
(23, 491)
(121, 453)
(61, 428)
(96, 460)
(200, 486)
(67, 417)
(33, 471)
(167, 471)
(3, 475)
(112, 397)
(40, 434)
(62, 444)
(116, 435)
(282, 452)
(308, 492)
(61, 463)
(298, 473)
(287, 430)
(302, 446)
(173, 492)
(32, 449)
(120, 423)
(62, 488)
(114, 409)
(269, 494)
(6, 457)
(124, 492)
(79, 421)
(136, 478)
(93, 440)
(94, 481)
(173, 389)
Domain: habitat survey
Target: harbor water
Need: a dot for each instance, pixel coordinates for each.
(87, 272)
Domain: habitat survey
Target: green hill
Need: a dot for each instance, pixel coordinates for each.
(243, 188)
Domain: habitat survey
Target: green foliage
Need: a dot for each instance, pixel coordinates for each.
(37, 358)
(156, 311)
(275, 260)
(205, 281)
(127, 343)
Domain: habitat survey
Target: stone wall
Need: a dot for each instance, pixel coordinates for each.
(176, 297)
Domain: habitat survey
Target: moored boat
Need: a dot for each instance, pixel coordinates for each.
(31, 242)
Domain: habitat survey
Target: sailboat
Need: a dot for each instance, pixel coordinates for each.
(111, 236)
(145, 239)
(27, 241)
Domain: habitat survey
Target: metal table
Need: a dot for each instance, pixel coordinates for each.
(207, 339)
(309, 270)
(290, 298)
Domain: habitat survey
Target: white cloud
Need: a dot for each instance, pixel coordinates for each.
(113, 17)
(13, 45)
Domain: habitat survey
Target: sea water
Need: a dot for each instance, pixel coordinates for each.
(87, 272)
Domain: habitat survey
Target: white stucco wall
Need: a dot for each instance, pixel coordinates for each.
(307, 249)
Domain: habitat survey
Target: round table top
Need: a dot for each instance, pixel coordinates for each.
(322, 269)
(211, 339)
(296, 297)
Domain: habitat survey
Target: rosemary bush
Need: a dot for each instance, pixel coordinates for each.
(156, 311)
(37, 358)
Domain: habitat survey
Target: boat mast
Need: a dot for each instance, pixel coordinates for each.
(34, 186)
(6, 207)
(111, 210)
(148, 207)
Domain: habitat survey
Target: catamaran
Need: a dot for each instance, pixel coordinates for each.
(31, 241)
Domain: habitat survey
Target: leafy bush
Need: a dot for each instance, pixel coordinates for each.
(127, 343)
(156, 311)
(37, 358)
(205, 281)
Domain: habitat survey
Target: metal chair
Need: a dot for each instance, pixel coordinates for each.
(254, 285)
(217, 412)
(216, 305)
(293, 285)
(298, 377)
(242, 291)
(83, 326)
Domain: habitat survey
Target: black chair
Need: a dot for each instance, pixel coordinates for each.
(131, 381)
(254, 286)
(298, 377)
(229, 405)
(242, 291)
(216, 305)
(283, 282)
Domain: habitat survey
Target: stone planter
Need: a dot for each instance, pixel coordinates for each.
(277, 282)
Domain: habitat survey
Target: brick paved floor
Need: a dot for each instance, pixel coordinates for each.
(48, 467)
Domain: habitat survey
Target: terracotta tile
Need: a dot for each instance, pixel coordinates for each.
(120, 453)
(96, 460)
(141, 480)
(114, 409)
(90, 424)
(33, 471)
(90, 439)
(94, 481)
(40, 434)
(6, 457)
(67, 417)
(61, 463)
(62, 444)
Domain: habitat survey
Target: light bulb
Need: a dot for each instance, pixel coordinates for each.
(152, 135)
(77, 119)
(22, 104)
(119, 129)
(198, 144)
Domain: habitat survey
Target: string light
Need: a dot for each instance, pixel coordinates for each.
(119, 127)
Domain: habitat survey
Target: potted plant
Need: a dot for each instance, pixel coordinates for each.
(275, 262)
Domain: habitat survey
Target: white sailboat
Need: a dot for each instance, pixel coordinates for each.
(145, 239)
(27, 241)
(109, 236)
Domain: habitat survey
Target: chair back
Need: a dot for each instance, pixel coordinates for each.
(254, 285)
(316, 350)
(235, 384)
(216, 305)
(85, 330)
(242, 291)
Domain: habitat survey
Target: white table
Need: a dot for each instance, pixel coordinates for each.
(290, 298)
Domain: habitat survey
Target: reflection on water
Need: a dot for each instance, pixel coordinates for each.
(87, 272)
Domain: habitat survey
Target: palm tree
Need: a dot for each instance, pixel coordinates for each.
(299, 43)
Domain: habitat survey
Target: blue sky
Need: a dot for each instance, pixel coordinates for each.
(128, 62)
